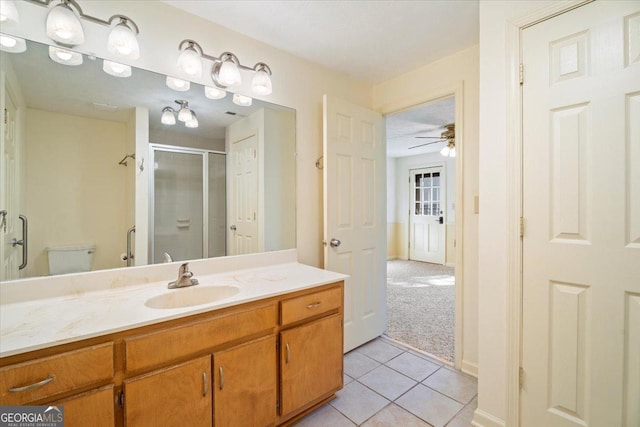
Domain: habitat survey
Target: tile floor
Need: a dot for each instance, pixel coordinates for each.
(386, 384)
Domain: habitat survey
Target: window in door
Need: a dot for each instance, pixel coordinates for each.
(427, 194)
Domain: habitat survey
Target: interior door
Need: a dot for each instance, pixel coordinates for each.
(581, 207)
(9, 199)
(355, 215)
(426, 218)
(243, 196)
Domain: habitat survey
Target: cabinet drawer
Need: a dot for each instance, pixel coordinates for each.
(160, 347)
(30, 381)
(299, 308)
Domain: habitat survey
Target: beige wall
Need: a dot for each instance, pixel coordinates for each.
(433, 81)
(73, 183)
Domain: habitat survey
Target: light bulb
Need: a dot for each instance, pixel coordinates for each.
(64, 26)
(168, 118)
(445, 151)
(12, 44)
(214, 92)
(261, 83)
(122, 42)
(190, 63)
(184, 115)
(8, 13)
(116, 69)
(241, 100)
(229, 74)
(178, 84)
(193, 123)
(64, 56)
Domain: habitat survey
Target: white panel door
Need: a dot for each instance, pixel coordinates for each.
(243, 196)
(10, 228)
(426, 216)
(581, 245)
(355, 215)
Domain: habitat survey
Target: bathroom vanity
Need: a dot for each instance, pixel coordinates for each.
(139, 354)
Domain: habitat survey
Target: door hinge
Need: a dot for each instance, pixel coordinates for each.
(521, 227)
(521, 71)
(278, 406)
(120, 399)
(6, 113)
(521, 377)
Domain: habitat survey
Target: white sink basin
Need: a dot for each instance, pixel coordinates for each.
(188, 297)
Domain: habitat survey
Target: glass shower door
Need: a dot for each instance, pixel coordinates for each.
(177, 205)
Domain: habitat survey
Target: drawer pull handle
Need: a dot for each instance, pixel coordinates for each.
(32, 386)
(314, 305)
(286, 359)
(221, 378)
(205, 384)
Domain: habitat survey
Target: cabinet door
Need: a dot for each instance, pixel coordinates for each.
(245, 384)
(95, 408)
(310, 362)
(175, 396)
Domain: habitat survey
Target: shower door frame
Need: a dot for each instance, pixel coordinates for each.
(153, 147)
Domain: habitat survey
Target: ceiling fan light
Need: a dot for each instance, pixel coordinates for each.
(122, 42)
(214, 92)
(12, 44)
(168, 118)
(8, 13)
(190, 63)
(65, 56)
(241, 100)
(445, 151)
(116, 69)
(178, 84)
(261, 83)
(229, 73)
(64, 27)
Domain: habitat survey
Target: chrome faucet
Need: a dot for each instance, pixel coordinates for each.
(184, 278)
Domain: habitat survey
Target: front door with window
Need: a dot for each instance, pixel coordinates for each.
(426, 218)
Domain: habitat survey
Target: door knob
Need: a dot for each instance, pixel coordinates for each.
(334, 243)
(233, 227)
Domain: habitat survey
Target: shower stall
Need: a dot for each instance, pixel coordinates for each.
(187, 203)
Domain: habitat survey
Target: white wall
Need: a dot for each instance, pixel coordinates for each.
(297, 83)
(436, 80)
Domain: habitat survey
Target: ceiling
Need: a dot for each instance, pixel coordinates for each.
(371, 41)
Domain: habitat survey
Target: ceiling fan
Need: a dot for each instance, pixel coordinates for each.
(448, 135)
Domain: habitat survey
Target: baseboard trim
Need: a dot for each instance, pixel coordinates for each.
(483, 419)
(469, 368)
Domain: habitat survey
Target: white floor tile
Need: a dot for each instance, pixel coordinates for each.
(413, 366)
(429, 405)
(387, 382)
(325, 416)
(357, 364)
(379, 350)
(394, 416)
(358, 403)
(458, 386)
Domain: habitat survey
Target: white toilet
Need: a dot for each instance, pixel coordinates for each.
(70, 259)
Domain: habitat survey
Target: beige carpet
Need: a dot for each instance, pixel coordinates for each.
(420, 303)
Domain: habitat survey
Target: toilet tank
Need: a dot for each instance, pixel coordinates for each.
(70, 259)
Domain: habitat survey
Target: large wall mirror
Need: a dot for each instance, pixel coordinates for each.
(88, 162)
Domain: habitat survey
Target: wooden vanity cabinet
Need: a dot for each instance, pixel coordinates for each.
(94, 408)
(245, 384)
(179, 395)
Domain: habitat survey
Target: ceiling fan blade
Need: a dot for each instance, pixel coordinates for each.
(427, 143)
(430, 137)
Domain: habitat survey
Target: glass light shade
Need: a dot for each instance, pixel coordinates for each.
(261, 83)
(229, 74)
(214, 92)
(452, 152)
(178, 84)
(64, 56)
(184, 115)
(122, 42)
(241, 100)
(193, 123)
(64, 26)
(168, 118)
(116, 69)
(445, 151)
(8, 13)
(190, 63)
(12, 44)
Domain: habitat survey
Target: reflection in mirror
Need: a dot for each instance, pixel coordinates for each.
(86, 158)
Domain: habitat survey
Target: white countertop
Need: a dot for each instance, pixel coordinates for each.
(32, 324)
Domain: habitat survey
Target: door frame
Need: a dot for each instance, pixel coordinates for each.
(514, 142)
(443, 165)
(457, 91)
